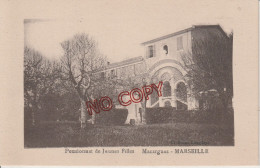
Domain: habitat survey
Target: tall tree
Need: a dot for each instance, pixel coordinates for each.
(209, 66)
(81, 58)
(40, 77)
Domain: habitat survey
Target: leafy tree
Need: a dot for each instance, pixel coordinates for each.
(209, 66)
(40, 79)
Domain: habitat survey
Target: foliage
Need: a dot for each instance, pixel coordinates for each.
(60, 107)
(112, 117)
(159, 114)
(40, 79)
(209, 66)
(58, 90)
(170, 114)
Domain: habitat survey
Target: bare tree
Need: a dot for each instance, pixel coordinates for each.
(80, 59)
(40, 78)
(209, 66)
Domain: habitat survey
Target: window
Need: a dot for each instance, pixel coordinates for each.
(123, 72)
(179, 43)
(113, 73)
(106, 74)
(131, 70)
(167, 89)
(118, 72)
(139, 68)
(102, 75)
(165, 49)
(150, 52)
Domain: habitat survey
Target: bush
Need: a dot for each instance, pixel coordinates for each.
(207, 116)
(167, 114)
(159, 114)
(181, 116)
(112, 117)
(170, 114)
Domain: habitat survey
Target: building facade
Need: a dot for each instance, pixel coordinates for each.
(162, 61)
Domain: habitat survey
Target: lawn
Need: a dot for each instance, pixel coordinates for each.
(68, 134)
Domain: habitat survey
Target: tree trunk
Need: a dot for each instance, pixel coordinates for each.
(93, 118)
(143, 114)
(83, 114)
(34, 111)
(33, 116)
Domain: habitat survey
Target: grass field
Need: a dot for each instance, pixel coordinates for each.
(57, 134)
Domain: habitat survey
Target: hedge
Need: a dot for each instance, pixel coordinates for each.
(158, 114)
(170, 114)
(112, 117)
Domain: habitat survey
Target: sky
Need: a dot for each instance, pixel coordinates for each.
(119, 28)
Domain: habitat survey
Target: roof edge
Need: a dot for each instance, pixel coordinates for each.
(182, 31)
(121, 63)
(168, 35)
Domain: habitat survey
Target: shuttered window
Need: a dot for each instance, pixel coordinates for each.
(151, 51)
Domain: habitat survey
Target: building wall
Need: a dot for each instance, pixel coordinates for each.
(171, 64)
(124, 71)
(165, 67)
(162, 67)
(171, 42)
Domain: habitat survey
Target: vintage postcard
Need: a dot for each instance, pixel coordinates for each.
(172, 82)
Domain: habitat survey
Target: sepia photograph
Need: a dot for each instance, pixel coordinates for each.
(86, 85)
(129, 83)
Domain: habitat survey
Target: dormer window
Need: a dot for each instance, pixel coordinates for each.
(179, 43)
(165, 49)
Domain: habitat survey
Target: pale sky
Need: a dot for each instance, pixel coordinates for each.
(119, 28)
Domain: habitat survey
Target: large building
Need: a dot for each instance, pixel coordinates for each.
(162, 60)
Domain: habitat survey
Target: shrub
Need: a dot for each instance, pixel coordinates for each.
(159, 114)
(211, 116)
(112, 117)
(181, 116)
(170, 114)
